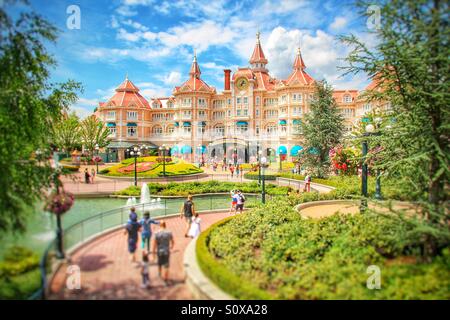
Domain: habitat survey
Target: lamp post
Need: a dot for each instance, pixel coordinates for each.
(135, 153)
(281, 165)
(97, 148)
(163, 149)
(299, 152)
(263, 164)
(259, 166)
(370, 130)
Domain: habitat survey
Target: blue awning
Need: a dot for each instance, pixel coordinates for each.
(186, 124)
(365, 119)
(177, 124)
(282, 122)
(111, 124)
(186, 149)
(242, 123)
(295, 150)
(201, 150)
(175, 150)
(313, 151)
(202, 123)
(131, 124)
(282, 150)
(296, 121)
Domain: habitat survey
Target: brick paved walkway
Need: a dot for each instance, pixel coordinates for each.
(107, 272)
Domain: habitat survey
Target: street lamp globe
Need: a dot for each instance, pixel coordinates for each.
(97, 147)
(132, 153)
(260, 152)
(135, 149)
(370, 128)
(138, 153)
(263, 160)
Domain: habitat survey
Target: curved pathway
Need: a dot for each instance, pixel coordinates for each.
(107, 272)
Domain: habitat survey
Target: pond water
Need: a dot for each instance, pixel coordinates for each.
(41, 225)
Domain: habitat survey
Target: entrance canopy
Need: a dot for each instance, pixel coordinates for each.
(295, 150)
(282, 150)
(186, 149)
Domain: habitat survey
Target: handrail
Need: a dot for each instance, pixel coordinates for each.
(43, 265)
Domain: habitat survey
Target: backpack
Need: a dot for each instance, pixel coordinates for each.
(309, 179)
(241, 196)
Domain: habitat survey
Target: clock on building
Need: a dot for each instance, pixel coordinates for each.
(242, 83)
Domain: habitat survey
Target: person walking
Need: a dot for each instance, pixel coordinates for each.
(145, 271)
(187, 211)
(132, 230)
(92, 175)
(146, 227)
(238, 168)
(240, 201)
(161, 245)
(195, 229)
(307, 181)
(234, 200)
(86, 176)
(133, 214)
(232, 170)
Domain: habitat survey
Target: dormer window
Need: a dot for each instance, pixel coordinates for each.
(347, 98)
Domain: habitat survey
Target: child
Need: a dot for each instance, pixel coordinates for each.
(144, 270)
(195, 230)
(234, 200)
(146, 234)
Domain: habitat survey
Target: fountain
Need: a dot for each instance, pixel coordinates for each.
(145, 200)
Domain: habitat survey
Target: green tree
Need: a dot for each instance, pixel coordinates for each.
(29, 105)
(411, 67)
(94, 132)
(66, 133)
(322, 129)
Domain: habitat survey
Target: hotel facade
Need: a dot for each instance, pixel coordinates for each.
(253, 112)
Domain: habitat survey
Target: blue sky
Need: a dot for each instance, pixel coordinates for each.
(153, 41)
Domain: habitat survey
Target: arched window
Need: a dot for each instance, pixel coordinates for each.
(271, 129)
(170, 129)
(157, 130)
(219, 130)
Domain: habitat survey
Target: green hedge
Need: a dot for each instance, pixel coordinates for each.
(19, 273)
(270, 252)
(183, 189)
(220, 274)
(254, 175)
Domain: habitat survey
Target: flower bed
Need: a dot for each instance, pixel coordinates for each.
(150, 167)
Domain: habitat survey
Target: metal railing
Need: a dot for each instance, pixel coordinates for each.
(84, 230)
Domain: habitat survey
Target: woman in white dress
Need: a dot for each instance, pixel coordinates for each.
(195, 230)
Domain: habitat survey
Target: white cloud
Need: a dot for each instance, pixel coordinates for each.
(84, 107)
(151, 90)
(135, 25)
(172, 79)
(114, 22)
(320, 51)
(126, 11)
(338, 23)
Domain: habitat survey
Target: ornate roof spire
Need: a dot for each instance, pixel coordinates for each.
(195, 69)
(298, 62)
(258, 54)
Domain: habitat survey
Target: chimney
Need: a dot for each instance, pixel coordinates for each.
(227, 73)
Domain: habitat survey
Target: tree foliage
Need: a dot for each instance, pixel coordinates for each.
(94, 132)
(29, 105)
(66, 133)
(410, 66)
(322, 129)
